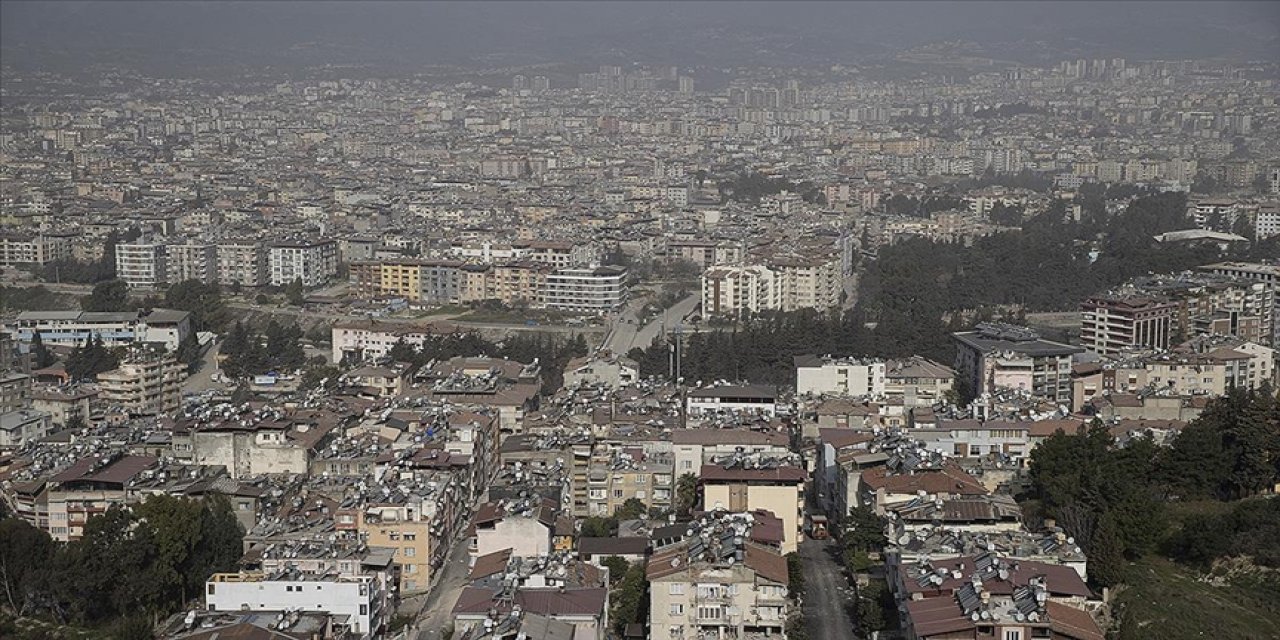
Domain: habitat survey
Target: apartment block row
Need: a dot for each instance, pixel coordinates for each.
(1158, 312)
(150, 263)
(535, 284)
(783, 283)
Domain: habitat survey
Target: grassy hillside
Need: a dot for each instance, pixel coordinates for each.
(1168, 601)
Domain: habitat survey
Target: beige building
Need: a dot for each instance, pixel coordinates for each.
(779, 490)
(700, 590)
(403, 528)
(617, 475)
(88, 488)
(146, 383)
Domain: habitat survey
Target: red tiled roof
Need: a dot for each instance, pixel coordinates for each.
(118, 472)
(1072, 622)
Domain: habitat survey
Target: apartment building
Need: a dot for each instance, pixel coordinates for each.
(408, 530)
(519, 283)
(243, 263)
(146, 383)
(192, 260)
(356, 598)
(694, 448)
(369, 339)
(917, 381)
(314, 262)
(736, 290)
(750, 399)
(1001, 356)
(617, 475)
(20, 427)
(585, 290)
(778, 490)
(717, 586)
(43, 248)
(817, 376)
(807, 281)
(704, 253)
(142, 264)
(1111, 324)
(88, 488)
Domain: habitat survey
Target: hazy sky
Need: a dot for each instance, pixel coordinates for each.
(706, 32)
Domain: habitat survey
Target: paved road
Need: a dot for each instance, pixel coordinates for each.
(628, 335)
(203, 378)
(436, 613)
(828, 598)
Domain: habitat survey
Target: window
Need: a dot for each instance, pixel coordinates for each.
(410, 552)
(677, 610)
(617, 493)
(211, 588)
(709, 613)
(676, 589)
(364, 609)
(1013, 634)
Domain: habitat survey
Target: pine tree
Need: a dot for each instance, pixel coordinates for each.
(1106, 556)
(41, 353)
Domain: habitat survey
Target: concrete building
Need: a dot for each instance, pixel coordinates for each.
(20, 427)
(779, 490)
(1111, 324)
(116, 329)
(142, 264)
(753, 399)
(89, 487)
(146, 383)
(356, 598)
(918, 381)
(192, 260)
(19, 248)
(839, 376)
(735, 290)
(694, 448)
(1001, 356)
(314, 262)
(585, 290)
(709, 588)
(243, 263)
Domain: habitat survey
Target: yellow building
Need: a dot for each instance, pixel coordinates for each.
(779, 490)
(397, 526)
(402, 279)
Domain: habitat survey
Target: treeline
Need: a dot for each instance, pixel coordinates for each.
(552, 353)
(1048, 266)
(1116, 500)
(751, 186)
(246, 351)
(37, 298)
(762, 349)
(130, 569)
(922, 207)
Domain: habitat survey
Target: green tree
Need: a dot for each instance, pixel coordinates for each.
(40, 352)
(686, 494)
(628, 601)
(598, 526)
(795, 575)
(865, 530)
(870, 610)
(202, 301)
(25, 552)
(295, 293)
(1106, 566)
(110, 295)
(617, 569)
(631, 509)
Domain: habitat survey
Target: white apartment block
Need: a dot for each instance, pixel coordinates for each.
(588, 290)
(142, 264)
(243, 263)
(372, 340)
(192, 261)
(840, 376)
(738, 290)
(314, 262)
(354, 597)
